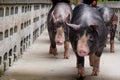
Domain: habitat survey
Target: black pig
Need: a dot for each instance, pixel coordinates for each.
(110, 19)
(57, 29)
(87, 35)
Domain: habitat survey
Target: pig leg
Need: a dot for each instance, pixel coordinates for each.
(81, 71)
(111, 45)
(66, 47)
(53, 49)
(112, 36)
(91, 59)
(96, 64)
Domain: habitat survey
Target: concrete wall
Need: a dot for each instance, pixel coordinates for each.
(24, 1)
(20, 25)
(110, 4)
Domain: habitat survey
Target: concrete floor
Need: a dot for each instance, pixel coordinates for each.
(37, 64)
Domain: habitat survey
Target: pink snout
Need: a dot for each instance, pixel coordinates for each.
(59, 42)
(83, 52)
(108, 36)
(59, 39)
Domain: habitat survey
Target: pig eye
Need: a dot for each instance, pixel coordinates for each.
(91, 37)
(76, 39)
(65, 30)
(54, 31)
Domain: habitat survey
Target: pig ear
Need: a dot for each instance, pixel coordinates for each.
(95, 29)
(68, 17)
(53, 17)
(74, 26)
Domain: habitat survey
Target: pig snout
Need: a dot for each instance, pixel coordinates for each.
(59, 42)
(108, 36)
(82, 46)
(83, 51)
(59, 39)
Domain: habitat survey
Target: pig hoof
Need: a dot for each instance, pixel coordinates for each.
(91, 64)
(55, 54)
(112, 51)
(94, 73)
(50, 52)
(53, 51)
(80, 77)
(66, 56)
